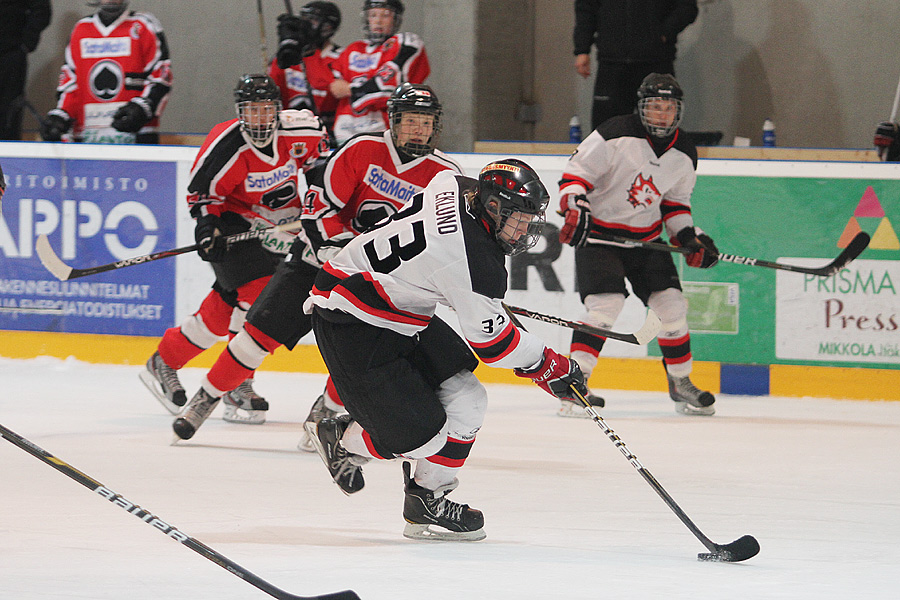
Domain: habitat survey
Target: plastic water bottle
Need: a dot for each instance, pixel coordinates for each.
(768, 137)
(575, 130)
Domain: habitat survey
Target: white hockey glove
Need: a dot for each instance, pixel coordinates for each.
(329, 248)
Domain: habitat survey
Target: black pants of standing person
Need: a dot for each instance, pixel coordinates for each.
(616, 85)
(13, 67)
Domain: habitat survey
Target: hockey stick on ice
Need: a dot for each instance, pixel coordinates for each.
(157, 523)
(853, 249)
(640, 337)
(738, 550)
(64, 272)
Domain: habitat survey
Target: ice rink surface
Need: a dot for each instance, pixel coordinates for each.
(816, 481)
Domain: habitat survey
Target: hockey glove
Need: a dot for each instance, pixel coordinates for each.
(887, 136)
(130, 117)
(294, 41)
(555, 373)
(330, 247)
(208, 234)
(54, 127)
(575, 230)
(704, 253)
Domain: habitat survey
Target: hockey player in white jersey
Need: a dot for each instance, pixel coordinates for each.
(631, 177)
(405, 376)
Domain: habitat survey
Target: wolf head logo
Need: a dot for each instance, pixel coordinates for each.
(643, 192)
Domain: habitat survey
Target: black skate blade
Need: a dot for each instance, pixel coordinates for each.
(738, 550)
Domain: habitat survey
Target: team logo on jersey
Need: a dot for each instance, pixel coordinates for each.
(298, 149)
(296, 80)
(370, 212)
(362, 62)
(643, 191)
(105, 47)
(106, 79)
(136, 31)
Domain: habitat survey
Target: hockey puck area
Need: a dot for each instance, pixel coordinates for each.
(737, 551)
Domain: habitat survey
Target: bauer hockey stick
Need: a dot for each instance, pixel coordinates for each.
(738, 550)
(859, 243)
(64, 272)
(157, 523)
(640, 337)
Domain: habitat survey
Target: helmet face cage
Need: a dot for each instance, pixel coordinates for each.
(324, 18)
(258, 102)
(515, 200)
(660, 104)
(396, 8)
(414, 99)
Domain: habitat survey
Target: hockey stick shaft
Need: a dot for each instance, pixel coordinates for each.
(263, 45)
(640, 337)
(853, 249)
(64, 272)
(157, 523)
(896, 104)
(741, 549)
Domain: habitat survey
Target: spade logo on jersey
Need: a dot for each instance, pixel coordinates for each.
(106, 80)
(643, 192)
(280, 196)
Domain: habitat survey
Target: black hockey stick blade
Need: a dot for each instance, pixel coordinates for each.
(64, 272)
(157, 523)
(641, 337)
(738, 550)
(859, 243)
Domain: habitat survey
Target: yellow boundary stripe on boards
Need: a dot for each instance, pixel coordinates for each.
(611, 373)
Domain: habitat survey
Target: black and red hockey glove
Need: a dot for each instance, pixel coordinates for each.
(208, 235)
(704, 253)
(887, 140)
(577, 226)
(555, 373)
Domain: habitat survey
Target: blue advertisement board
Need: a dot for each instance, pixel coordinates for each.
(93, 213)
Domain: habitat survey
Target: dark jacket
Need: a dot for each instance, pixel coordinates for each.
(629, 31)
(21, 23)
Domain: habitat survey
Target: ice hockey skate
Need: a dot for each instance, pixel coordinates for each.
(244, 405)
(162, 381)
(572, 408)
(430, 516)
(197, 411)
(317, 412)
(345, 468)
(689, 400)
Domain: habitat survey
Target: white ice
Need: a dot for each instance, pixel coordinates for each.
(814, 480)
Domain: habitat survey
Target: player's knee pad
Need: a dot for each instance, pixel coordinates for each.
(195, 329)
(238, 318)
(465, 401)
(671, 307)
(246, 350)
(603, 309)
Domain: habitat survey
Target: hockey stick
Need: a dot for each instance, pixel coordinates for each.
(741, 549)
(64, 272)
(288, 7)
(640, 337)
(157, 523)
(263, 46)
(859, 243)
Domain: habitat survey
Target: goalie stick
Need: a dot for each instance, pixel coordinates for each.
(64, 272)
(157, 523)
(640, 337)
(859, 243)
(741, 549)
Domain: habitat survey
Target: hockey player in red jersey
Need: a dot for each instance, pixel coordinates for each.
(245, 177)
(302, 65)
(370, 69)
(116, 79)
(630, 177)
(368, 179)
(404, 374)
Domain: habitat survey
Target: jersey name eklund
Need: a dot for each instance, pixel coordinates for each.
(389, 185)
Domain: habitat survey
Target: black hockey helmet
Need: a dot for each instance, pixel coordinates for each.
(659, 85)
(414, 98)
(513, 197)
(325, 18)
(109, 8)
(257, 100)
(395, 6)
